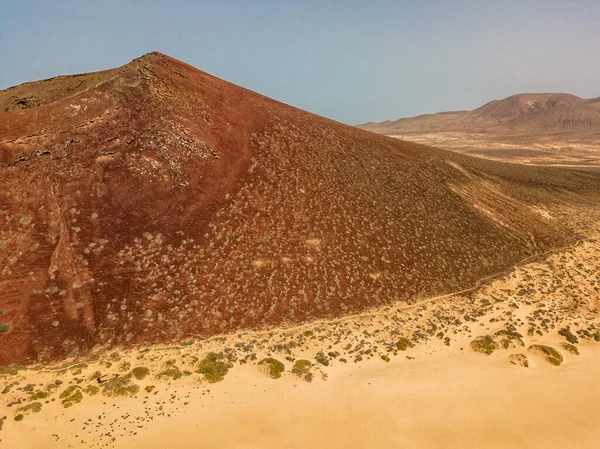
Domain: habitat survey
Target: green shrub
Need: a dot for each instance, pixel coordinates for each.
(39, 395)
(120, 386)
(302, 369)
(569, 347)
(19, 417)
(91, 390)
(274, 365)
(385, 358)
(71, 395)
(34, 407)
(485, 345)
(510, 338)
(214, 367)
(570, 336)
(552, 355)
(4, 327)
(403, 344)
(140, 372)
(519, 359)
(321, 358)
(95, 375)
(170, 371)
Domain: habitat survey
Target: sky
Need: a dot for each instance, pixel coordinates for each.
(352, 61)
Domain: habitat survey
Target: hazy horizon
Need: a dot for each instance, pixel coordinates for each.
(351, 61)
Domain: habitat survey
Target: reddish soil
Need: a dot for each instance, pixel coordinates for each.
(155, 202)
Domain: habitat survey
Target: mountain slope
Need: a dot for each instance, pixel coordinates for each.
(155, 202)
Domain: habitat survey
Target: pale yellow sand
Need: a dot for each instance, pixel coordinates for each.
(463, 402)
(442, 401)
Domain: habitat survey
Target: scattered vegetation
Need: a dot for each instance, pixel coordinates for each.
(120, 386)
(34, 407)
(321, 358)
(92, 390)
(4, 327)
(385, 358)
(71, 395)
(485, 345)
(403, 344)
(39, 395)
(302, 369)
(140, 372)
(509, 339)
(519, 359)
(552, 355)
(214, 367)
(171, 371)
(275, 367)
(570, 348)
(570, 336)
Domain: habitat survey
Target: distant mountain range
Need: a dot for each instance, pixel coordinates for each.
(522, 114)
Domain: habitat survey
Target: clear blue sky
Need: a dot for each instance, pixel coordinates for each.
(353, 61)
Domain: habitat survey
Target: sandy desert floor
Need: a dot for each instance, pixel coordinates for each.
(513, 363)
(550, 150)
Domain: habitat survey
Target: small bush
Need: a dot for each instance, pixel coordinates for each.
(71, 395)
(275, 367)
(570, 348)
(302, 369)
(484, 345)
(170, 371)
(149, 388)
(39, 395)
(570, 336)
(91, 390)
(34, 407)
(552, 355)
(403, 344)
(4, 327)
(120, 386)
(124, 366)
(19, 417)
(214, 367)
(385, 358)
(321, 358)
(519, 359)
(510, 339)
(140, 372)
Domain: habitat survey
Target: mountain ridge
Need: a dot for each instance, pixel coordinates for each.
(520, 113)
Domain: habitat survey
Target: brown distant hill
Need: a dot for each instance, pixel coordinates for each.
(548, 129)
(519, 114)
(154, 202)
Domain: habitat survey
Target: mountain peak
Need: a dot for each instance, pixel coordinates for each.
(154, 202)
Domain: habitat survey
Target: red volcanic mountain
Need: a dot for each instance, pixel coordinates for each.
(155, 202)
